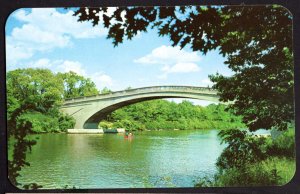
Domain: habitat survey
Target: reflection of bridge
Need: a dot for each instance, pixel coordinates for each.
(89, 111)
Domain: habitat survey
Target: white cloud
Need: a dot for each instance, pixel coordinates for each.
(52, 21)
(168, 55)
(41, 63)
(16, 52)
(66, 66)
(39, 38)
(101, 80)
(45, 29)
(174, 60)
(181, 68)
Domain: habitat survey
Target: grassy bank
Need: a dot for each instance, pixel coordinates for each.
(271, 172)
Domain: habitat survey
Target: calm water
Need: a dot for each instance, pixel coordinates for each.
(150, 159)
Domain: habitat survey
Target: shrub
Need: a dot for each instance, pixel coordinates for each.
(251, 161)
(105, 125)
(242, 148)
(270, 172)
(66, 122)
(283, 145)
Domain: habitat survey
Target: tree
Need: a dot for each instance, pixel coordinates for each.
(29, 92)
(76, 85)
(33, 100)
(256, 41)
(105, 90)
(105, 125)
(243, 148)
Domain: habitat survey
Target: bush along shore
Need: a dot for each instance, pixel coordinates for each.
(254, 161)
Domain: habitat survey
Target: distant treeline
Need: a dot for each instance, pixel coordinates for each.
(166, 115)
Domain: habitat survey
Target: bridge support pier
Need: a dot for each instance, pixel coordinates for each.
(86, 131)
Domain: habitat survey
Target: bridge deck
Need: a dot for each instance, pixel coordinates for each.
(187, 89)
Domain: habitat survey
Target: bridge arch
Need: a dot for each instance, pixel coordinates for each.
(89, 111)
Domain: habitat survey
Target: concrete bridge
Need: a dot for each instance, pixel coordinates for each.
(90, 110)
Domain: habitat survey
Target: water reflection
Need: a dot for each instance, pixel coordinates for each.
(149, 159)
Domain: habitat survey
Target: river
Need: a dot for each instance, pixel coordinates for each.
(151, 159)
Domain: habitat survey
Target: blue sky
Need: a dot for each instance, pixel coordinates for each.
(52, 38)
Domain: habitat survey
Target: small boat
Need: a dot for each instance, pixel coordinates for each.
(128, 135)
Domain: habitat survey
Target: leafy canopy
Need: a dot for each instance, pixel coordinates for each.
(76, 85)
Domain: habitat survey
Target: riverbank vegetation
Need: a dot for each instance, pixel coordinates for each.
(249, 160)
(33, 100)
(166, 115)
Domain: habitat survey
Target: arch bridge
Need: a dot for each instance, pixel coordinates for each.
(90, 110)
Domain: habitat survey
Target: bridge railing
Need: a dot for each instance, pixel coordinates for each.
(150, 88)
